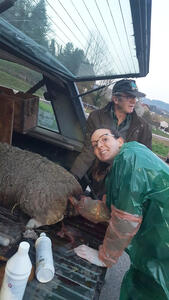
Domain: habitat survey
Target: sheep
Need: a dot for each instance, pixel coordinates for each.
(40, 187)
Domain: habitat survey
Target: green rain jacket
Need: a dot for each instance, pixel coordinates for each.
(138, 183)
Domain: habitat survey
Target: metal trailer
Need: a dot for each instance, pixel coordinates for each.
(74, 278)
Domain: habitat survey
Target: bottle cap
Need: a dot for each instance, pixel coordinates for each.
(23, 247)
(43, 234)
(19, 265)
(42, 237)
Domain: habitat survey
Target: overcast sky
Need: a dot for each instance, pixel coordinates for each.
(156, 83)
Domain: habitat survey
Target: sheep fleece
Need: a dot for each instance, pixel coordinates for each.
(39, 186)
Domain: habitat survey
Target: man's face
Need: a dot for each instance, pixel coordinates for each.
(105, 146)
(125, 103)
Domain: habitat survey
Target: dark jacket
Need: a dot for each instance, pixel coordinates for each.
(138, 131)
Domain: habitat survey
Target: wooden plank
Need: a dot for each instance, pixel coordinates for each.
(26, 112)
(6, 118)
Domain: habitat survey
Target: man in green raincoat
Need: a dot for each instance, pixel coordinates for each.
(137, 196)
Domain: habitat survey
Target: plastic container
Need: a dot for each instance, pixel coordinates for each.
(44, 259)
(17, 272)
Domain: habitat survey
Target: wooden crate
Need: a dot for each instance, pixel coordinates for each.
(19, 112)
(25, 112)
(6, 118)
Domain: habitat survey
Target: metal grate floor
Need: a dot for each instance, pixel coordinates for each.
(75, 278)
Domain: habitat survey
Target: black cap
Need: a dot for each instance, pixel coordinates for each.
(127, 86)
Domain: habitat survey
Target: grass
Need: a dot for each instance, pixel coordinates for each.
(46, 117)
(160, 132)
(46, 107)
(160, 147)
(13, 82)
(19, 71)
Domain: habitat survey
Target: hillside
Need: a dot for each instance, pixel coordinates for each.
(158, 103)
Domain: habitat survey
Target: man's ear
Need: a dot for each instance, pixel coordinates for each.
(120, 141)
(115, 99)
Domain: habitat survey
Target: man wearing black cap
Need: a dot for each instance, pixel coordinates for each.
(118, 114)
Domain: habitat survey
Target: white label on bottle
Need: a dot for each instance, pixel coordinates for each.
(44, 254)
(13, 289)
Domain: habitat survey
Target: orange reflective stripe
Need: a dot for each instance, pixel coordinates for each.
(122, 227)
(125, 215)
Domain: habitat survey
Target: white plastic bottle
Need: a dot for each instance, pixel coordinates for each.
(17, 272)
(44, 259)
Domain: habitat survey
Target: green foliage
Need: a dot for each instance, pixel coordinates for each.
(147, 116)
(72, 58)
(13, 82)
(29, 17)
(159, 148)
(19, 15)
(52, 48)
(160, 132)
(46, 117)
(97, 98)
(39, 24)
(45, 107)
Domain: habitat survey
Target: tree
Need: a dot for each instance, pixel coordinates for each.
(97, 98)
(52, 48)
(18, 15)
(71, 58)
(96, 53)
(147, 116)
(30, 18)
(103, 96)
(39, 24)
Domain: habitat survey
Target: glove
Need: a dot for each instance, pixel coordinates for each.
(89, 254)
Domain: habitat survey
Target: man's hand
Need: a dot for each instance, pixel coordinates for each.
(89, 254)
